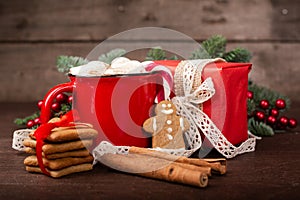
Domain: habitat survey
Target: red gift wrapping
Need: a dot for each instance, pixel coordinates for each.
(228, 107)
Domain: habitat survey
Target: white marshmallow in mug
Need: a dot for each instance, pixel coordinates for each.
(115, 63)
(120, 65)
(123, 65)
(93, 68)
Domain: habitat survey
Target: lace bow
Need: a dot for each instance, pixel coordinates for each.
(188, 106)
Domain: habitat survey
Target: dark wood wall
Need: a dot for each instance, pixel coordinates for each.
(34, 32)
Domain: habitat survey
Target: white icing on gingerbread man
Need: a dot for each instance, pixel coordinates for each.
(166, 127)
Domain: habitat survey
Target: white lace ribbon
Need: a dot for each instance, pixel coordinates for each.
(18, 137)
(187, 106)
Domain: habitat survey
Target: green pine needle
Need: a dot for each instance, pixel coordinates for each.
(259, 128)
(238, 55)
(174, 57)
(23, 121)
(108, 57)
(64, 63)
(200, 53)
(251, 107)
(213, 47)
(156, 53)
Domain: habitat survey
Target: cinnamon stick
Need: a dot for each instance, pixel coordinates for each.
(217, 165)
(204, 169)
(156, 168)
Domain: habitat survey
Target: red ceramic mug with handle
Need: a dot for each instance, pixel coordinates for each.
(115, 105)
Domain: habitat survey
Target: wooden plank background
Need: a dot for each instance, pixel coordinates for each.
(34, 32)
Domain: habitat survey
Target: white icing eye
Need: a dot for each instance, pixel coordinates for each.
(169, 105)
(164, 105)
(169, 122)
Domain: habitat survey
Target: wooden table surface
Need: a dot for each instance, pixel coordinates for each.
(271, 172)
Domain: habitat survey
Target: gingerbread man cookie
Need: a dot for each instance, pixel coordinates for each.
(166, 127)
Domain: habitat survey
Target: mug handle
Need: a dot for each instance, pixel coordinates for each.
(49, 98)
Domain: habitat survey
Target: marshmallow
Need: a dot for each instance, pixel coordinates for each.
(118, 61)
(93, 68)
(123, 65)
(120, 65)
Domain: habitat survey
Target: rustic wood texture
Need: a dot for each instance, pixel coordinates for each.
(271, 172)
(96, 20)
(33, 33)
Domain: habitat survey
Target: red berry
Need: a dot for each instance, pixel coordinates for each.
(60, 98)
(249, 94)
(37, 121)
(274, 112)
(30, 124)
(292, 123)
(271, 120)
(40, 103)
(264, 104)
(283, 121)
(70, 99)
(280, 104)
(55, 107)
(260, 115)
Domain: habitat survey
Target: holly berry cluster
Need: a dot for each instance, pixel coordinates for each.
(266, 111)
(271, 115)
(61, 105)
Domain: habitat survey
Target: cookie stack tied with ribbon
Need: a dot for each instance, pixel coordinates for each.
(61, 152)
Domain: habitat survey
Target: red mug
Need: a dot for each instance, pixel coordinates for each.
(115, 105)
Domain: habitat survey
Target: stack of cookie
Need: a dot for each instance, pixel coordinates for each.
(65, 151)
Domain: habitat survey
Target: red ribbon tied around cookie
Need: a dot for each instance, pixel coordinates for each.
(44, 130)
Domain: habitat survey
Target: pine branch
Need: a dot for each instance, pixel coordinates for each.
(156, 53)
(200, 53)
(23, 121)
(213, 47)
(238, 55)
(64, 63)
(250, 107)
(108, 57)
(259, 128)
(174, 57)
